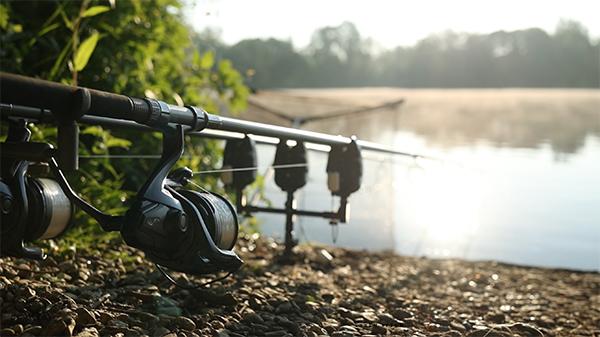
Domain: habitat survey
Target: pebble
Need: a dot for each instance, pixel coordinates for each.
(283, 308)
(378, 329)
(88, 332)
(254, 318)
(388, 319)
(185, 323)
(495, 318)
(115, 323)
(60, 328)
(85, 317)
(458, 326)
(401, 314)
(160, 331)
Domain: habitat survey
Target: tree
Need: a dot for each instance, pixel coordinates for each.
(268, 63)
(339, 56)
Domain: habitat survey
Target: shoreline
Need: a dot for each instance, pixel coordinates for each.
(113, 291)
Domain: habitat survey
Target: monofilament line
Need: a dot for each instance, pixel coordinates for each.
(238, 169)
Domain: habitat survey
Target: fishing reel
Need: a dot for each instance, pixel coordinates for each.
(183, 230)
(31, 208)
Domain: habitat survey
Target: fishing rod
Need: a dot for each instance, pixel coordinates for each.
(299, 121)
(179, 228)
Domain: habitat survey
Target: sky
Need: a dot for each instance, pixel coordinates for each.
(389, 23)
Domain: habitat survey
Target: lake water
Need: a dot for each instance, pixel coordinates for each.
(519, 179)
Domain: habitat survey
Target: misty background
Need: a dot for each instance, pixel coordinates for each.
(339, 56)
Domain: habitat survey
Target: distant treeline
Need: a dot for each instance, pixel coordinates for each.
(340, 57)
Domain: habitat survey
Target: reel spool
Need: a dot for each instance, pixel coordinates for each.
(219, 216)
(50, 211)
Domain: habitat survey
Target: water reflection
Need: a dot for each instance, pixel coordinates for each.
(514, 118)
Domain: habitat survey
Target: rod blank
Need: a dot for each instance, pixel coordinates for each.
(123, 111)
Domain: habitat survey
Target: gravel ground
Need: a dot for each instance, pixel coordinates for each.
(113, 291)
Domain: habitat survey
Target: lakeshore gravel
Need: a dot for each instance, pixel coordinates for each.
(320, 291)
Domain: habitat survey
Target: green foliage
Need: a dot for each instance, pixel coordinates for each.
(133, 47)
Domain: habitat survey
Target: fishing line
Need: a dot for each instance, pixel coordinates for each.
(253, 168)
(125, 156)
(389, 158)
(198, 186)
(117, 156)
(186, 287)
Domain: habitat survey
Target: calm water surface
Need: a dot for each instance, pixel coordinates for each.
(522, 187)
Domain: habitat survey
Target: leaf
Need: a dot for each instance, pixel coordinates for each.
(84, 51)
(93, 11)
(3, 17)
(117, 142)
(47, 29)
(207, 61)
(93, 130)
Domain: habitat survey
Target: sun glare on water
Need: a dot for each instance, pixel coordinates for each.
(444, 205)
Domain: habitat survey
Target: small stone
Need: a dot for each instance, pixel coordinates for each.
(60, 328)
(105, 317)
(147, 318)
(328, 297)
(8, 332)
(34, 330)
(85, 317)
(185, 323)
(88, 332)
(458, 326)
(254, 318)
(82, 275)
(401, 314)
(67, 266)
(27, 293)
(18, 329)
(115, 323)
(378, 329)
(348, 328)
(222, 333)
(387, 319)
(217, 325)
(24, 266)
(369, 316)
(50, 262)
(316, 329)
(283, 308)
(225, 299)
(160, 331)
(496, 318)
